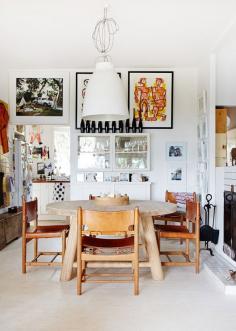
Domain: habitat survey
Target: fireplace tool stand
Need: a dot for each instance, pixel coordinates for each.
(208, 207)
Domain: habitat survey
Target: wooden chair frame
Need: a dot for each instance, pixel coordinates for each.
(178, 216)
(185, 232)
(30, 214)
(90, 222)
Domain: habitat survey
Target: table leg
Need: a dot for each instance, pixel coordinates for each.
(66, 272)
(152, 249)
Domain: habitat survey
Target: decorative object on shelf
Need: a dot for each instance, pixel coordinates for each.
(87, 127)
(140, 125)
(113, 127)
(100, 127)
(121, 127)
(134, 123)
(127, 126)
(105, 96)
(124, 177)
(150, 96)
(176, 151)
(40, 168)
(107, 127)
(91, 177)
(93, 127)
(39, 97)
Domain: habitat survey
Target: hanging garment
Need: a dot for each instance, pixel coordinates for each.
(4, 118)
(59, 192)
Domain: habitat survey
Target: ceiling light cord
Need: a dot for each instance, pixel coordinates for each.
(103, 35)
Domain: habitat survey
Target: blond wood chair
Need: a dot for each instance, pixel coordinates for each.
(29, 214)
(189, 231)
(95, 249)
(179, 216)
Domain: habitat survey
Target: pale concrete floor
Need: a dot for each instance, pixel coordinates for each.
(38, 301)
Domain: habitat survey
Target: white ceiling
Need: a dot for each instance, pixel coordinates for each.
(57, 33)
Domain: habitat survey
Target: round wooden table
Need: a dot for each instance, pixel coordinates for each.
(147, 209)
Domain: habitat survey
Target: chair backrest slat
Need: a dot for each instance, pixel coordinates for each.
(193, 211)
(107, 221)
(180, 197)
(30, 210)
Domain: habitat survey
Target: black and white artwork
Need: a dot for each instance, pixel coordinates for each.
(176, 151)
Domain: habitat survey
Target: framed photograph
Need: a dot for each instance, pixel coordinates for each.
(107, 177)
(124, 177)
(176, 177)
(39, 97)
(82, 79)
(40, 168)
(150, 97)
(91, 177)
(176, 151)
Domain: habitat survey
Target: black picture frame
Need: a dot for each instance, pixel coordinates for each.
(169, 96)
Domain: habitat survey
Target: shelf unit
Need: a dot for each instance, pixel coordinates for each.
(113, 152)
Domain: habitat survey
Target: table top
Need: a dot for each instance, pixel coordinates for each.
(146, 207)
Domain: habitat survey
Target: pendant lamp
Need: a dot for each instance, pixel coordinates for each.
(105, 98)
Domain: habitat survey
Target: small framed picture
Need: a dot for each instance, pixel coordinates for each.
(91, 177)
(176, 177)
(124, 177)
(107, 177)
(176, 151)
(40, 168)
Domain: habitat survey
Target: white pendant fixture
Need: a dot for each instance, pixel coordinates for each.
(105, 98)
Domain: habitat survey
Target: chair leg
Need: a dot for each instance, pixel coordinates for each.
(187, 247)
(158, 240)
(181, 240)
(197, 257)
(79, 276)
(35, 248)
(63, 245)
(136, 276)
(23, 255)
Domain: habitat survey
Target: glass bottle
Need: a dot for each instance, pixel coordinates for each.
(127, 126)
(134, 122)
(113, 127)
(87, 127)
(107, 127)
(100, 126)
(82, 126)
(121, 127)
(93, 127)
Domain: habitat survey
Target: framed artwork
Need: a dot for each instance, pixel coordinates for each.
(176, 177)
(176, 151)
(150, 97)
(124, 177)
(40, 168)
(39, 97)
(91, 177)
(82, 79)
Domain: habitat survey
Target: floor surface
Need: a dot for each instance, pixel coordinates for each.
(39, 301)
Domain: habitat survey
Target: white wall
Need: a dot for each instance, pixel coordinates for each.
(185, 94)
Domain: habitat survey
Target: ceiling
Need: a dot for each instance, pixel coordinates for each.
(57, 33)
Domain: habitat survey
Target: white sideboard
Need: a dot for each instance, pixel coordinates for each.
(140, 191)
(44, 193)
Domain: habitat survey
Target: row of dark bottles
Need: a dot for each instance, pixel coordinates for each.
(90, 127)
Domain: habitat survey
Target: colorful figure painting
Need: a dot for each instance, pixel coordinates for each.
(151, 98)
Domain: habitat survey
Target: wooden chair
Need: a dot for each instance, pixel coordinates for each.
(189, 231)
(107, 249)
(30, 213)
(179, 216)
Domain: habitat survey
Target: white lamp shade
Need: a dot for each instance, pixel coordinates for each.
(105, 98)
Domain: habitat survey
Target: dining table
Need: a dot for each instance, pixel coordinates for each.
(147, 209)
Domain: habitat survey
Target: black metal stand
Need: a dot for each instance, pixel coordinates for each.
(207, 207)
